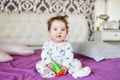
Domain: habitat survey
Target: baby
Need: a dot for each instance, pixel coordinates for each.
(59, 50)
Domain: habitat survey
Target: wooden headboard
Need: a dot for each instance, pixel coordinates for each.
(31, 28)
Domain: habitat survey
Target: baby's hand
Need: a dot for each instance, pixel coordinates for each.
(62, 72)
(63, 67)
(51, 66)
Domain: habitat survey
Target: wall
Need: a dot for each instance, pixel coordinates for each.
(110, 7)
(113, 9)
(85, 7)
(100, 7)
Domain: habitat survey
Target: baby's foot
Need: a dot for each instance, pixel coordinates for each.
(82, 72)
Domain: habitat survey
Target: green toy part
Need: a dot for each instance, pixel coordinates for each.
(56, 66)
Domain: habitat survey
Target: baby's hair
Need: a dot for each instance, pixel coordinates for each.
(59, 17)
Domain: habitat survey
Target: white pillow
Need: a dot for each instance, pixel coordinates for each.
(97, 50)
(4, 57)
(16, 49)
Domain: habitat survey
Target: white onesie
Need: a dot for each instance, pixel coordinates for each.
(62, 53)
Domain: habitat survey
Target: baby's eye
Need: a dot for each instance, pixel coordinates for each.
(55, 29)
(63, 29)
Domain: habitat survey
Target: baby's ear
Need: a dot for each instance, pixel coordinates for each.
(49, 31)
(4, 57)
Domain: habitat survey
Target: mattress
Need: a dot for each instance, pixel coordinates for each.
(23, 68)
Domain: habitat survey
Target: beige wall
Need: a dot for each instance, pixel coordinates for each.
(113, 9)
(110, 7)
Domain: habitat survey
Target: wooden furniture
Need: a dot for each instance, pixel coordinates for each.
(107, 35)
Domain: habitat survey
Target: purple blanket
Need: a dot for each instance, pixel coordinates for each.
(23, 68)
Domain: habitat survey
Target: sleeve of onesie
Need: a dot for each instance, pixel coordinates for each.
(45, 55)
(68, 58)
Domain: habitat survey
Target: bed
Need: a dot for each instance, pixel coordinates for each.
(30, 29)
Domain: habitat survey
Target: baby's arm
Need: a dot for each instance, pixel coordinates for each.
(45, 55)
(68, 58)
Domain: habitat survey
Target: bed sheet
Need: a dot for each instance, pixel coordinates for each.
(23, 68)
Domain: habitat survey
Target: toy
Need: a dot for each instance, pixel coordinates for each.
(58, 69)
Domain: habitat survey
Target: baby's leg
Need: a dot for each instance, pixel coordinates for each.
(75, 65)
(77, 71)
(45, 71)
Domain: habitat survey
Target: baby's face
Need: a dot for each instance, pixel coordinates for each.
(58, 31)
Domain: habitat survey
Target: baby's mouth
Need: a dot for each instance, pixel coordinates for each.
(59, 36)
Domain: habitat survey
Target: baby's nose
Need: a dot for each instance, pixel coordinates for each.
(59, 31)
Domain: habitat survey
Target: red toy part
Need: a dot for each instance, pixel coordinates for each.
(61, 72)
